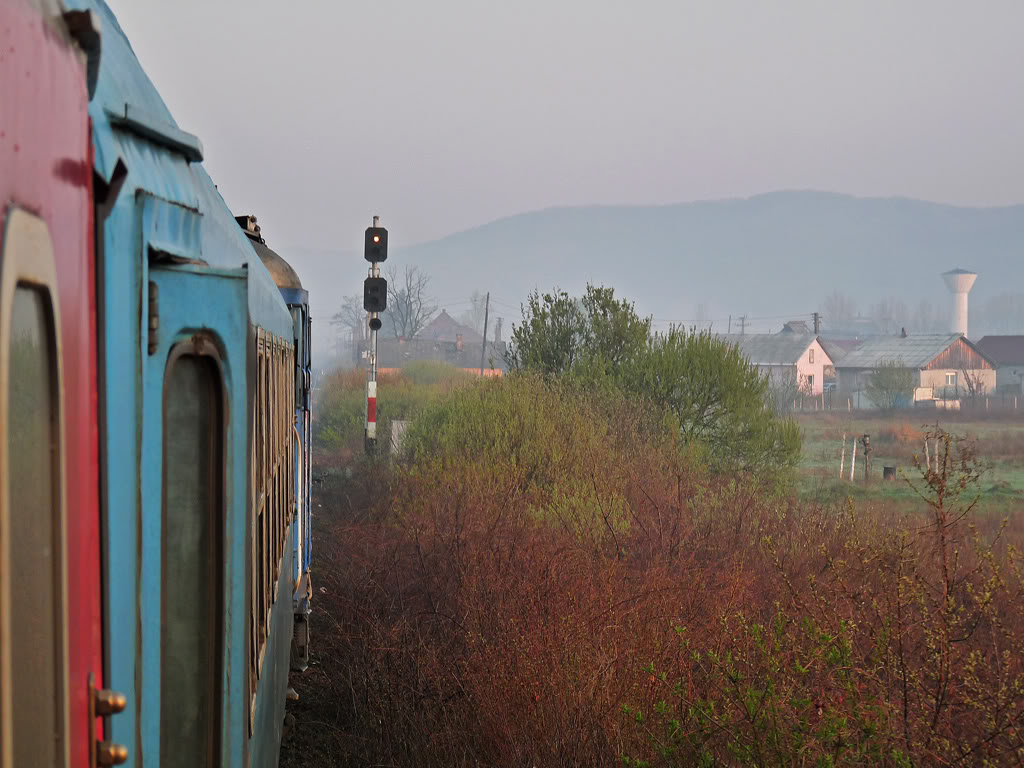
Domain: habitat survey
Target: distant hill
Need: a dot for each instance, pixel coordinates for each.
(771, 255)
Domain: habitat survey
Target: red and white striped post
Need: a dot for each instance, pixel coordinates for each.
(371, 410)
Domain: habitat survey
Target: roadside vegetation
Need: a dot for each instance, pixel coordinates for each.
(614, 556)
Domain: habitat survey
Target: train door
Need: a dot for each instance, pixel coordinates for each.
(190, 473)
(50, 598)
(34, 634)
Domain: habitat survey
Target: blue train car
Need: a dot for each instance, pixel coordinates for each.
(196, 393)
(297, 299)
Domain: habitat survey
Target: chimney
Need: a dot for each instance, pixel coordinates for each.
(960, 282)
(497, 330)
(458, 342)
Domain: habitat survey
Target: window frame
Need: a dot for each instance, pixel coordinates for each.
(272, 472)
(202, 346)
(34, 265)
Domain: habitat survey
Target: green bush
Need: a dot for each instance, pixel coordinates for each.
(721, 401)
(340, 411)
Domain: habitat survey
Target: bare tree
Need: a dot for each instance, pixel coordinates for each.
(839, 310)
(889, 315)
(891, 385)
(925, 319)
(350, 320)
(972, 384)
(409, 306)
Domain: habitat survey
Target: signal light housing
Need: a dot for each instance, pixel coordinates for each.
(376, 245)
(375, 294)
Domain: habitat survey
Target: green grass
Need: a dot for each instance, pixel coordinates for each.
(895, 441)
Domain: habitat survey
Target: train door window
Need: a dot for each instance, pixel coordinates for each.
(33, 640)
(193, 515)
(35, 570)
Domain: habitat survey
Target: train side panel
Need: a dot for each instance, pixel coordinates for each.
(180, 292)
(46, 233)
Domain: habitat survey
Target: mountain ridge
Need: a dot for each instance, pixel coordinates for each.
(767, 254)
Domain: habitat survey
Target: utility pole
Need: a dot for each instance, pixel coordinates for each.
(483, 345)
(375, 300)
(817, 323)
(743, 324)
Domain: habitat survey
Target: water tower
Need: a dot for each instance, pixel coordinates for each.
(960, 282)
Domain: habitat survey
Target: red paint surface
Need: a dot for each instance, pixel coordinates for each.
(371, 409)
(45, 168)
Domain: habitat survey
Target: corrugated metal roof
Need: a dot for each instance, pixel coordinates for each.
(1003, 350)
(915, 350)
(770, 348)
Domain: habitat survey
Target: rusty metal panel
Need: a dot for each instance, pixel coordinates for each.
(960, 355)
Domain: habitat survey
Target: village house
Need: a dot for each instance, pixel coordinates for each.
(446, 340)
(789, 356)
(1007, 352)
(945, 365)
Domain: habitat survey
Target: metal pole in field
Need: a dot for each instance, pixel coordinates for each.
(842, 457)
(853, 459)
(483, 346)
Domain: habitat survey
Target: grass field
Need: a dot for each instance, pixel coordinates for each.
(896, 440)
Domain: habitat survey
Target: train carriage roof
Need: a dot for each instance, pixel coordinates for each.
(134, 129)
(285, 277)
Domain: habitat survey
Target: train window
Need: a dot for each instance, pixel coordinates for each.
(193, 514)
(274, 473)
(35, 551)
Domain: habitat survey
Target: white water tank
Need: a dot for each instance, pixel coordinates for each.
(960, 282)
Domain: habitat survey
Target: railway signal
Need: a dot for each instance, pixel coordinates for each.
(375, 301)
(376, 246)
(375, 294)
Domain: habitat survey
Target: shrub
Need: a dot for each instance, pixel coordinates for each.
(340, 410)
(893, 648)
(891, 385)
(722, 403)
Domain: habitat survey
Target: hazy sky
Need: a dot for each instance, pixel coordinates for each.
(446, 114)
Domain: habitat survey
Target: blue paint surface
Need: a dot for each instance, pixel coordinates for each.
(169, 226)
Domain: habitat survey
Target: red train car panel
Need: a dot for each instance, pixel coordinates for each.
(50, 610)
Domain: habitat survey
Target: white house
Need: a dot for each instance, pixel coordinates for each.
(786, 356)
(944, 365)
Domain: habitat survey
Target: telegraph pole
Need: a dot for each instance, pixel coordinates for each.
(817, 323)
(743, 324)
(483, 347)
(375, 301)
